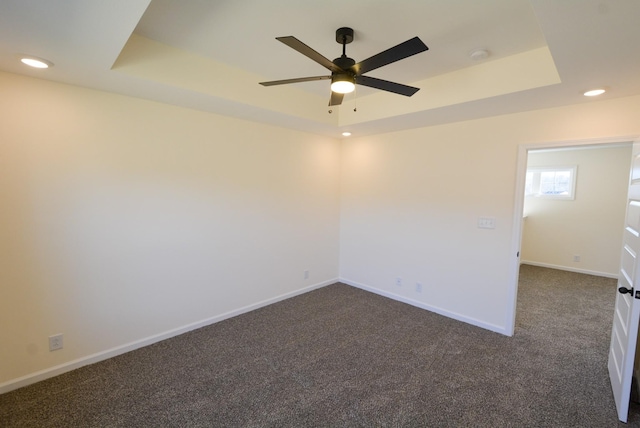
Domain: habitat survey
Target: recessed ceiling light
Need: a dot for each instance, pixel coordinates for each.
(346, 134)
(35, 62)
(594, 92)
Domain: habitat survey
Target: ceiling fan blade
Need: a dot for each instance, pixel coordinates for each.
(385, 85)
(336, 99)
(305, 50)
(396, 53)
(298, 80)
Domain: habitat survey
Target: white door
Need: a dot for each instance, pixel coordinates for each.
(626, 316)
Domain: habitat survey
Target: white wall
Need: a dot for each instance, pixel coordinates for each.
(123, 221)
(411, 200)
(590, 225)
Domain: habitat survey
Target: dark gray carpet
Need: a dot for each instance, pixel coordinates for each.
(339, 356)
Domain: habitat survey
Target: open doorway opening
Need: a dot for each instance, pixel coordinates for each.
(626, 314)
(574, 208)
(519, 213)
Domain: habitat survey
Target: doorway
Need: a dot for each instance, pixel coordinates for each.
(574, 208)
(565, 258)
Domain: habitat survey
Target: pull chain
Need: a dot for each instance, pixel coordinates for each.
(355, 99)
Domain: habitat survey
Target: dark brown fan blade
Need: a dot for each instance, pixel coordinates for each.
(385, 85)
(299, 79)
(336, 99)
(305, 50)
(396, 53)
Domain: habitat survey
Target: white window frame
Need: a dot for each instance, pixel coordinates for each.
(535, 184)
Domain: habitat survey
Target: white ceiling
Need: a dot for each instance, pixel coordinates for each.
(211, 54)
(507, 26)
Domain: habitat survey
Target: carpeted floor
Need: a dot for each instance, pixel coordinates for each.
(339, 356)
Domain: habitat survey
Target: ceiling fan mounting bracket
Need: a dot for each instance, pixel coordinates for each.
(344, 35)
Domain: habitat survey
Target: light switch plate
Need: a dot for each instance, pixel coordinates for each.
(486, 222)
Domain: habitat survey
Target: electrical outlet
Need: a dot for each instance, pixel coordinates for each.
(55, 342)
(418, 287)
(576, 258)
(399, 282)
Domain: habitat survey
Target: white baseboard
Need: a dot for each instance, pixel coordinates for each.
(570, 269)
(119, 350)
(421, 305)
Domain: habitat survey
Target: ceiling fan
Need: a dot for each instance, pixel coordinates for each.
(345, 73)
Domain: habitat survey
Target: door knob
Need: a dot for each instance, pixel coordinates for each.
(624, 290)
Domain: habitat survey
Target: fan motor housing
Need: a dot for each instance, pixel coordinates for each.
(344, 62)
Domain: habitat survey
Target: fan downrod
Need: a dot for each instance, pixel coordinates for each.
(344, 36)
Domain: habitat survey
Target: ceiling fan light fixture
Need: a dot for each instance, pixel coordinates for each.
(342, 83)
(345, 71)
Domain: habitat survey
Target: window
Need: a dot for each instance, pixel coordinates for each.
(551, 182)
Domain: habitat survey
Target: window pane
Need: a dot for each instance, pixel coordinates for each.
(550, 182)
(555, 182)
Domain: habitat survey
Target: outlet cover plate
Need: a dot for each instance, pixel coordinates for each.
(55, 342)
